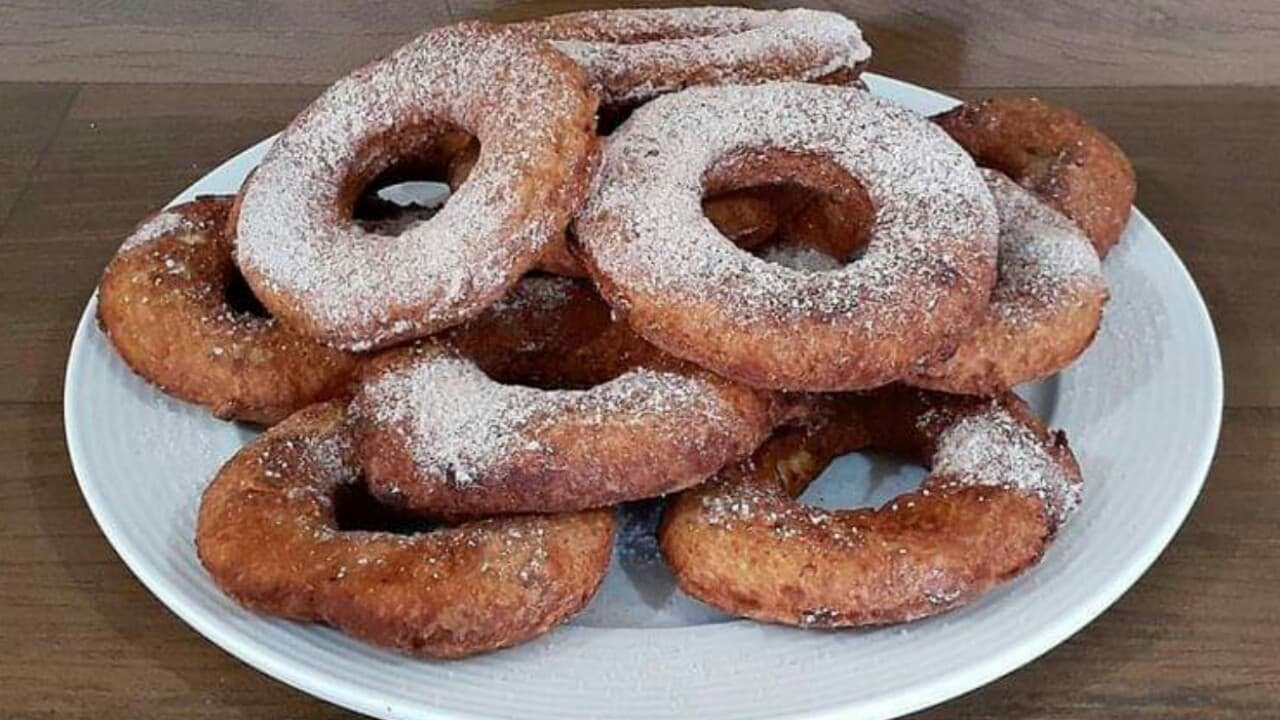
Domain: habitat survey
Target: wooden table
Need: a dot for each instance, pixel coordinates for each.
(80, 163)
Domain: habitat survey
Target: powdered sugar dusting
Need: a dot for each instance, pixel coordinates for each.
(1044, 259)
(799, 257)
(293, 233)
(165, 224)
(935, 224)
(635, 54)
(460, 424)
(994, 448)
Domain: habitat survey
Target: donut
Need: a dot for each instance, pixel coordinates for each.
(923, 278)
(1046, 306)
(1054, 153)
(318, 270)
(176, 310)
(633, 55)
(1000, 486)
(544, 403)
(748, 217)
(270, 534)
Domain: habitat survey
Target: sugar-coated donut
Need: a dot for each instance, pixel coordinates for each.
(923, 279)
(318, 270)
(999, 487)
(634, 55)
(748, 217)
(167, 302)
(1046, 306)
(269, 534)
(465, 425)
(1054, 153)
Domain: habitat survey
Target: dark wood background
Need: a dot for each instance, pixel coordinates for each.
(108, 109)
(1075, 43)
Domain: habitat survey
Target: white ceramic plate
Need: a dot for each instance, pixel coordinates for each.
(1142, 409)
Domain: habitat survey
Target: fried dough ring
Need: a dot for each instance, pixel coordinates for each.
(1054, 153)
(318, 270)
(163, 304)
(923, 280)
(268, 534)
(634, 55)
(1000, 486)
(1045, 308)
(443, 428)
(748, 217)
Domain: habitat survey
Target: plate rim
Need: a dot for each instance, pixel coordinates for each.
(945, 686)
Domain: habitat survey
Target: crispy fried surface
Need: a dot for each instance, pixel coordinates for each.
(1056, 154)
(633, 55)
(268, 534)
(923, 279)
(463, 426)
(749, 217)
(531, 111)
(1045, 309)
(164, 305)
(743, 544)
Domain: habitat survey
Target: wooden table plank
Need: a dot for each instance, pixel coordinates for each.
(123, 151)
(31, 119)
(937, 42)
(1196, 638)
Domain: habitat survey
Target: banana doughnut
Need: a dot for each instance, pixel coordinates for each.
(1000, 485)
(921, 282)
(173, 304)
(469, 424)
(634, 55)
(318, 270)
(1054, 153)
(1046, 306)
(269, 534)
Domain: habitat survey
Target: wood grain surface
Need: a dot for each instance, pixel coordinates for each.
(1072, 43)
(81, 161)
(1198, 637)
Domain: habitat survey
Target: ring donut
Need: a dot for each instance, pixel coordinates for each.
(317, 269)
(1054, 153)
(748, 217)
(1046, 306)
(634, 55)
(169, 303)
(999, 488)
(463, 427)
(269, 535)
(923, 278)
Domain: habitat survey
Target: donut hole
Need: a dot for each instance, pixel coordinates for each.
(416, 183)
(864, 479)
(821, 215)
(240, 298)
(355, 509)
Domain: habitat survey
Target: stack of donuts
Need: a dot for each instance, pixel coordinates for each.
(686, 254)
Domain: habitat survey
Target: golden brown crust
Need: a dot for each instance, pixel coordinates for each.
(748, 217)
(311, 263)
(634, 55)
(460, 426)
(163, 304)
(1054, 153)
(986, 513)
(268, 534)
(1045, 309)
(922, 281)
